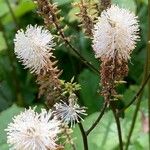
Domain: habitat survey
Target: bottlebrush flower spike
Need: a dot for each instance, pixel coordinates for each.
(32, 131)
(33, 47)
(114, 38)
(116, 32)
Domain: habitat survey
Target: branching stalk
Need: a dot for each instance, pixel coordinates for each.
(47, 9)
(145, 82)
(148, 49)
(97, 120)
(137, 94)
(84, 136)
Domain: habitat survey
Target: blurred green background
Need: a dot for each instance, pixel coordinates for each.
(18, 87)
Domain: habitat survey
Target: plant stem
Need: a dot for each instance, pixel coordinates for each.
(148, 49)
(137, 94)
(97, 120)
(84, 136)
(75, 50)
(55, 20)
(144, 83)
(118, 126)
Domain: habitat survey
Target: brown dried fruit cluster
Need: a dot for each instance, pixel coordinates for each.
(112, 70)
(50, 85)
(87, 15)
(48, 11)
(85, 18)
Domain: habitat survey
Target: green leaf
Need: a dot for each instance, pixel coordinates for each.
(104, 136)
(4, 147)
(129, 94)
(19, 10)
(128, 4)
(5, 118)
(89, 90)
(62, 2)
(2, 42)
(4, 9)
(72, 14)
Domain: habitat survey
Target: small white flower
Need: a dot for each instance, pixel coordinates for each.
(69, 113)
(116, 32)
(33, 47)
(33, 131)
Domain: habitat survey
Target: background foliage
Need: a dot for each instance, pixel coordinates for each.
(18, 88)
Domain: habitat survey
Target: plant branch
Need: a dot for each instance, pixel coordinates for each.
(74, 49)
(148, 50)
(84, 136)
(97, 120)
(137, 94)
(47, 11)
(147, 76)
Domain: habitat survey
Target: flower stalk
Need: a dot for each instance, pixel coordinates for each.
(34, 48)
(114, 28)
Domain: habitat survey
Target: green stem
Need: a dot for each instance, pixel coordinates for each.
(148, 49)
(97, 120)
(84, 136)
(60, 31)
(138, 94)
(147, 80)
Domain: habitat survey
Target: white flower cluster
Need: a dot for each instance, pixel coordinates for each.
(33, 131)
(69, 113)
(33, 47)
(116, 32)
